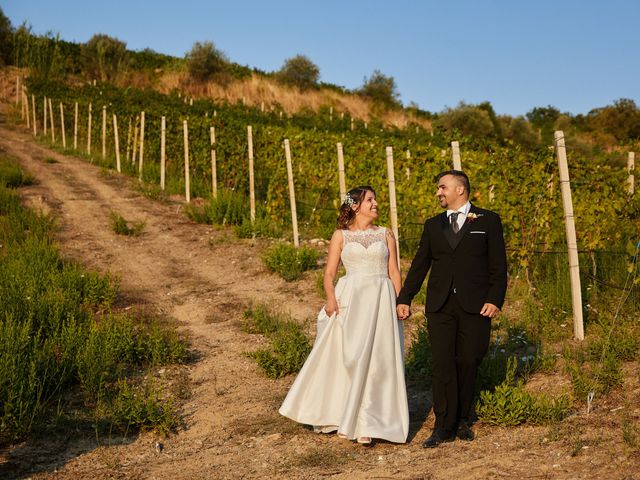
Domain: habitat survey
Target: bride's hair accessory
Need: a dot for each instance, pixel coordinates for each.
(348, 200)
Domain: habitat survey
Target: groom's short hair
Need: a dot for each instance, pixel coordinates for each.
(460, 176)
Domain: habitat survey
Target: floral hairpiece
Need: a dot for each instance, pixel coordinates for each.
(348, 200)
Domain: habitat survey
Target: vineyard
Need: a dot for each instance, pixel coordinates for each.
(521, 185)
(530, 340)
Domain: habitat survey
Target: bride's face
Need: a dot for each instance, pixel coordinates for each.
(368, 207)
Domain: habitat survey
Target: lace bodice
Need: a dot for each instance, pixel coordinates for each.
(365, 251)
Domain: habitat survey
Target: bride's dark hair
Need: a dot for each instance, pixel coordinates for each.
(353, 197)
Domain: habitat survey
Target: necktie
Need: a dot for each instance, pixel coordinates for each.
(454, 222)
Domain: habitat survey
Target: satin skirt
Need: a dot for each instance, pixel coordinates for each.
(353, 380)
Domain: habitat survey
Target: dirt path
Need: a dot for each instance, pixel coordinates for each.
(204, 278)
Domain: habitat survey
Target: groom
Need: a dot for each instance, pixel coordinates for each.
(464, 248)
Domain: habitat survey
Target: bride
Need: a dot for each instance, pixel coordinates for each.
(353, 380)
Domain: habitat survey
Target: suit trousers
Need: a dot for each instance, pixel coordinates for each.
(459, 341)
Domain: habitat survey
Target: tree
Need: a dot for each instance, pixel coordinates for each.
(6, 39)
(622, 119)
(544, 120)
(467, 119)
(381, 89)
(204, 61)
(104, 57)
(299, 71)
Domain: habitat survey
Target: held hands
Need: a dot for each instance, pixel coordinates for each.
(489, 310)
(403, 311)
(332, 307)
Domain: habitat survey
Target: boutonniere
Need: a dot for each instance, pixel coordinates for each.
(473, 216)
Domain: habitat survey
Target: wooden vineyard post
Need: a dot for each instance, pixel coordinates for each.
(75, 127)
(25, 101)
(128, 140)
(135, 142)
(53, 130)
(62, 131)
(186, 162)
(292, 194)
(33, 107)
(116, 142)
(252, 193)
(163, 133)
(631, 166)
(140, 163)
(17, 89)
(44, 117)
(89, 132)
(572, 244)
(214, 173)
(104, 131)
(392, 201)
(341, 180)
(455, 153)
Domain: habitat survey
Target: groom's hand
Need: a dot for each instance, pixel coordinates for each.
(489, 310)
(403, 311)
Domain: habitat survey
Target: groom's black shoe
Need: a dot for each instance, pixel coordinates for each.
(464, 432)
(436, 438)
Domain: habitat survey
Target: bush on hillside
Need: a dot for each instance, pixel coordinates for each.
(104, 57)
(204, 61)
(299, 71)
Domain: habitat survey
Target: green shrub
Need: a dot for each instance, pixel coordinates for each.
(290, 262)
(418, 362)
(510, 404)
(289, 345)
(12, 176)
(141, 405)
(120, 226)
(261, 227)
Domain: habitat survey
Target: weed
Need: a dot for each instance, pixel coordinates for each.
(290, 262)
(50, 160)
(289, 345)
(510, 404)
(11, 175)
(120, 226)
(260, 227)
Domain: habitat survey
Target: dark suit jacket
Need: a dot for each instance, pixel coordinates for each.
(474, 262)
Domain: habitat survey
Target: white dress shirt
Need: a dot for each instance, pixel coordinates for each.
(464, 211)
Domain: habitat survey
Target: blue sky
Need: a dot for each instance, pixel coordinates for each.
(516, 54)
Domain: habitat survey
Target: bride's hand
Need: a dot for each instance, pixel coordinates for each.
(331, 307)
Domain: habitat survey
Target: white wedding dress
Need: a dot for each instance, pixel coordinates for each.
(353, 380)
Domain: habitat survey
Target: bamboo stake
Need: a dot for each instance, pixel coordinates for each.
(455, 152)
(140, 163)
(116, 142)
(89, 132)
(252, 193)
(214, 173)
(163, 133)
(631, 166)
(104, 131)
(341, 180)
(392, 201)
(75, 127)
(64, 136)
(572, 244)
(44, 116)
(53, 130)
(33, 106)
(187, 189)
(292, 194)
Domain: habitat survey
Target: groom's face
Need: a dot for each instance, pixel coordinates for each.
(450, 192)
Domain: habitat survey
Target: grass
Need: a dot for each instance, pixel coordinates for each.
(288, 346)
(60, 344)
(290, 262)
(121, 226)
